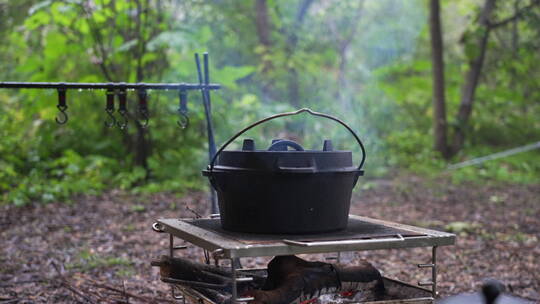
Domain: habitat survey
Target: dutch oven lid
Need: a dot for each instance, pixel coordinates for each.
(278, 158)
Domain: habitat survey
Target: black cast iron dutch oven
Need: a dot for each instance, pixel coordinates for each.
(284, 191)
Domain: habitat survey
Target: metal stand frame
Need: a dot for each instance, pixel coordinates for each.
(223, 248)
(216, 256)
(433, 266)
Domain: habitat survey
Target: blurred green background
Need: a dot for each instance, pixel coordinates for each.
(367, 62)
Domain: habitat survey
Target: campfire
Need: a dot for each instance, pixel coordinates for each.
(288, 279)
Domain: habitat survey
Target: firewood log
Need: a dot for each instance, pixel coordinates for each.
(293, 280)
(290, 279)
(361, 277)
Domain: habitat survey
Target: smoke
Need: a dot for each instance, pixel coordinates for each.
(342, 46)
(327, 59)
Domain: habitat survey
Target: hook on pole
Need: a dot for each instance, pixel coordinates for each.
(62, 107)
(110, 108)
(183, 122)
(143, 108)
(122, 108)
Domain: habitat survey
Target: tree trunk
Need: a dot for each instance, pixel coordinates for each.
(344, 40)
(262, 23)
(439, 108)
(515, 32)
(472, 76)
(263, 26)
(292, 41)
(142, 141)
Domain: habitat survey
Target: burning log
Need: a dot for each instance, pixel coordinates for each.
(361, 277)
(290, 279)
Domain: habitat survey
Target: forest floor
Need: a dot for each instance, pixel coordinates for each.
(98, 248)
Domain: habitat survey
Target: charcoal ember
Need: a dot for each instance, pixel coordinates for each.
(294, 280)
(362, 277)
(318, 274)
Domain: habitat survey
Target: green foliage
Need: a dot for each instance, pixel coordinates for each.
(367, 62)
(57, 179)
(504, 114)
(87, 261)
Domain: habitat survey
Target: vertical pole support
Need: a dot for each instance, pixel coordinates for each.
(433, 266)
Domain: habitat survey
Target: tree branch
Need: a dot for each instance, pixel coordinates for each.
(472, 77)
(516, 16)
(98, 46)
(437, 59)
(302, 10)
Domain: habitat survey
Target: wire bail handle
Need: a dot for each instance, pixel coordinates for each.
(307, 110)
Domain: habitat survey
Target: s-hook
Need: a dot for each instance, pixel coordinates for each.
(143, 107)
(122, 108)
(183, 110)
(110, 108)
(62, 106)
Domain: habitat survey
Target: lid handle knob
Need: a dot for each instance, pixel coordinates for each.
(248, 145)
(327, 146)
(282, 145)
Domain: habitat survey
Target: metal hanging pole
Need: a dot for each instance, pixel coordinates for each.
(108, 85)
(204, 86)
(211, 141)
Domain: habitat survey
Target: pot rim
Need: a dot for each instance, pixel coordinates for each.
(229, 169)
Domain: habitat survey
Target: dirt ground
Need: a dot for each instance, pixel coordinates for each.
(98, 249)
